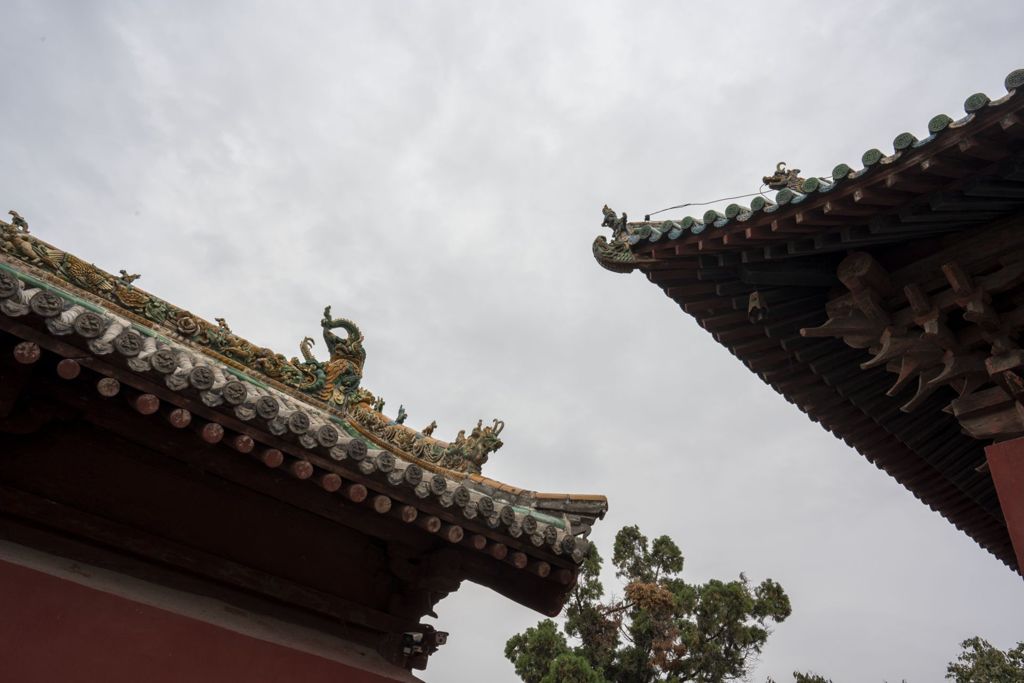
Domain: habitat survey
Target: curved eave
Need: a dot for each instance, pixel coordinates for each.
(963, 178)
(798, 223)
(501, 532)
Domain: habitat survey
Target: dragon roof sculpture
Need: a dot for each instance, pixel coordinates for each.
(92, 361)
(335, 383)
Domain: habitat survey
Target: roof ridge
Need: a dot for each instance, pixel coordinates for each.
(976, 106)
(332, 386)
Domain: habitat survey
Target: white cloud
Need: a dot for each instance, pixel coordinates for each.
(435, 171)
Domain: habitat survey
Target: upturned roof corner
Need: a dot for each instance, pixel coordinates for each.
(883, 301)
(335, 428)
(943, 131)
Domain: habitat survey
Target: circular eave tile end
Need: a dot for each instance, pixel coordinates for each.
(1014, 79)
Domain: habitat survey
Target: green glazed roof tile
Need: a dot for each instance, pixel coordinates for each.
(711, 216)
(1014, 79)
(903, 141)
(734, 210)
(785, 196)
(976, 102)
(871, 157)
(841, 172)
(939, 123)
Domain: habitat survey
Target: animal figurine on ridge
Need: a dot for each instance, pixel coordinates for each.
(18, 221)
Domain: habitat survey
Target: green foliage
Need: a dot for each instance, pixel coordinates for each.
(585, 619)
(981, 662)
(809, 678)
(662, 629)
(635, 560)
(533, 651)
(727, 627)
(571, 668)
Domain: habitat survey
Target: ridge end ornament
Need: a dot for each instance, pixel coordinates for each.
(18, 221)
(615, 255)
(784, 178)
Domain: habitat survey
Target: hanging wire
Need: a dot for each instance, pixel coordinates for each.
(760, 191)
(780, 167)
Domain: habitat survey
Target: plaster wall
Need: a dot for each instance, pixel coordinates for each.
(64, 621)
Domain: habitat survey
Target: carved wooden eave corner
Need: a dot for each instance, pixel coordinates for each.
(950, 320)
(120, 412)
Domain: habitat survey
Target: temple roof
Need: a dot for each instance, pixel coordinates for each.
(822, 214)
(908, 237)
(309, 419)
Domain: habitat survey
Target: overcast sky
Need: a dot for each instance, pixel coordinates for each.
(436, 171)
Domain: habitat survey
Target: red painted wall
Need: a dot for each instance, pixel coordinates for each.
(56, 630)
(1006, 463)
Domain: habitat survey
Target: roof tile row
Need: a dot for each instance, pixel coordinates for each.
(872, 160)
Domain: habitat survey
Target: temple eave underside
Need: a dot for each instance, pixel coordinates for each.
(885, 302)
